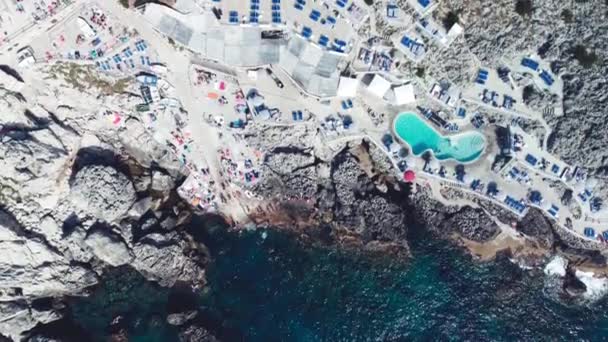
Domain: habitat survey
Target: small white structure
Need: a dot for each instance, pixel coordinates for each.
(155, 94)
(25, 57)
(404, 94)
(86, 28)
(159, 68)
(455, 31)
(147, 79)
(379, 86)
(347, 87)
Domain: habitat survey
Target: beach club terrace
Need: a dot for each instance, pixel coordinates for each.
(321, 23)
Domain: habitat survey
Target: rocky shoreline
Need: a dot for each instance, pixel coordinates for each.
(112, 209)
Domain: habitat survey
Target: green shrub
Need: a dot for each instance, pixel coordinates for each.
(524, 7)
(567, 16)
(449, 20)
(420, 72)
(584, 57)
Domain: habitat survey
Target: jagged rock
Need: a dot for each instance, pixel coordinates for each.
(572, 285)
(109, 248)
(48, 216)
(161, 259)
(141, 207)
(75, 247)
(30, 268)
(181, 318)
(195, 333)
(339, 186)
(161, 182)
(142, 183)
(537, 99)
(473, 224)
(534, 224)
(18, 316)
(103, 192)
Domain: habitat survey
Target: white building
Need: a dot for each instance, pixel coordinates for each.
(348, 87)
(404, 94)
(379, 86)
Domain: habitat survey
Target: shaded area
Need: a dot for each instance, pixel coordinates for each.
(11, 72)
(140, 306)
(524, 7)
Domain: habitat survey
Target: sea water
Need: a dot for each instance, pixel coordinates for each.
(267, 286)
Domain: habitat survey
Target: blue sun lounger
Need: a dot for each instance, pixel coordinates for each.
(323, 40)
(306, 32)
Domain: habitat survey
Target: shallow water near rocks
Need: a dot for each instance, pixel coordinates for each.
(276, 289)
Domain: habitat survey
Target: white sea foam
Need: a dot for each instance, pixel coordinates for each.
(596, 287)
(557, 266)
(522, 264)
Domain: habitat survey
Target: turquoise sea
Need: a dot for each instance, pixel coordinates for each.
(277, 289)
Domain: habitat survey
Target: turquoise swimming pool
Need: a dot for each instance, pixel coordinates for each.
(420, 136)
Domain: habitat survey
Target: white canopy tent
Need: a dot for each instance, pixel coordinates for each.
(404, 94)
(348, 87)
(379, 86)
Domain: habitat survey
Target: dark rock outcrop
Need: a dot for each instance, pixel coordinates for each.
(196, 333)
(470, 223)
(340, 192)
(102, 192)
(536, 225)
(572, 285)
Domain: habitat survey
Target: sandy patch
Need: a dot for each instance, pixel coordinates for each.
(519, 247)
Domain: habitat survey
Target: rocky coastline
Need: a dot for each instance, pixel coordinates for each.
(114, 208)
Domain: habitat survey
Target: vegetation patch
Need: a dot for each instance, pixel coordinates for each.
(124, 3)
(420, 72)
(524, 7)
(83, 77)
(567, 16)
(527, 93)
(584, 57)
(450, 19)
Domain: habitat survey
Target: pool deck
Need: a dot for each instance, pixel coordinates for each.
(454, 136)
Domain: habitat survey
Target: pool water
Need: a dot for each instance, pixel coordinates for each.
(421, 137)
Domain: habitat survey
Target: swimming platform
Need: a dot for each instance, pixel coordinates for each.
(420, 136)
